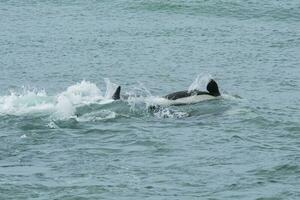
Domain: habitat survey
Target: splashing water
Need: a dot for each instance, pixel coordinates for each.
(83, 93)
(61, 106)
(26, 103)
(86, 95)
(169, 113)
(200, 82)
(110, 88)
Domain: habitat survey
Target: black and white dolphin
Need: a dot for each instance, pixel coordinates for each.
(181, 97)
(212, 90)
(187, 97)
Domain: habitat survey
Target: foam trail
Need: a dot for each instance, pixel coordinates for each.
(60, 106)
(25, 103)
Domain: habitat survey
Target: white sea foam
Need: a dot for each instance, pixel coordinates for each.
(52, 125)
(84, 92)
(26, 102)
(168, 113)
(61, 106)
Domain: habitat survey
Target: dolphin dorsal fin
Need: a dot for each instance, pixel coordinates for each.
(116, 95)
(212, 88)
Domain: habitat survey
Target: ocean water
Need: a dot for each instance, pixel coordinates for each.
(62, 137)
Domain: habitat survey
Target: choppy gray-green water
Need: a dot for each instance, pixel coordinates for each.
(61, 137)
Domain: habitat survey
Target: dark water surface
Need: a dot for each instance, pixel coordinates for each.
(62, 138)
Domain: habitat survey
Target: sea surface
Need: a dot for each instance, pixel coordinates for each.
(63, 137)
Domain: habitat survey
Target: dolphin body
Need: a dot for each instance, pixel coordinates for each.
(186, 97)
(182, 97)
(212, 88)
